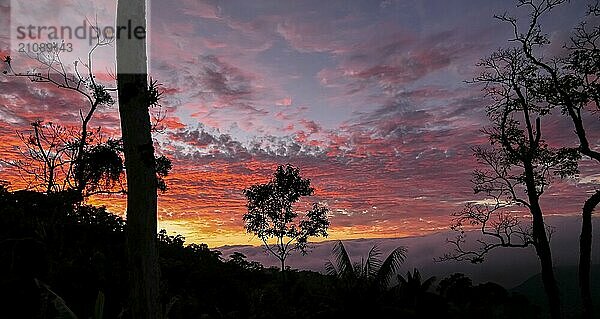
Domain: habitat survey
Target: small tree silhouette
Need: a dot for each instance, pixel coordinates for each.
(271, 215)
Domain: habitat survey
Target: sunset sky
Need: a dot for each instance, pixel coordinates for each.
(367, 97)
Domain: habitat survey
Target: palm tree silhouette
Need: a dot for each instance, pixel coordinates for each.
(362, 285)
(371, 271)
(413, 282)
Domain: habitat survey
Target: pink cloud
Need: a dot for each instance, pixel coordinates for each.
(200, 9)
(287, 101)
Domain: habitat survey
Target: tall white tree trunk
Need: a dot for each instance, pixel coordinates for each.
(132, 83)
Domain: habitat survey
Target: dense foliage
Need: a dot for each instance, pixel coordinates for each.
(55, 243)
(271, 215)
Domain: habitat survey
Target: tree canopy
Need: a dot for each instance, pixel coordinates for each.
(271, 213)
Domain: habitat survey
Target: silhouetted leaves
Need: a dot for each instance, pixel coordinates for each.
(102, 165)
(271, 215)
(163, 167)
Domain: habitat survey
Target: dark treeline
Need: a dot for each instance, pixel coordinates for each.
(57, 252)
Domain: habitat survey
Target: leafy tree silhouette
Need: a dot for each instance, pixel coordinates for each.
(271, 214)
(239, 260)
(456, 288)
(485, 300)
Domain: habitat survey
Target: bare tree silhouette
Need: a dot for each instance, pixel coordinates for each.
(571, 84)
(56, 157)
(53, 154)
(520, 166)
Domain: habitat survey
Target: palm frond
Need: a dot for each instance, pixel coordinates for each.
(59, 304)
(390, 266)
(416, 276)
(99, 306)
(330, 269)
(402, 282)
(343, 264)
(360, 269)
(373, 262)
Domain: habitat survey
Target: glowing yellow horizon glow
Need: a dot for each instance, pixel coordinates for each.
(239, 237)
(202, 229)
